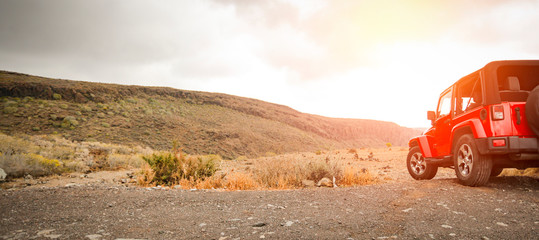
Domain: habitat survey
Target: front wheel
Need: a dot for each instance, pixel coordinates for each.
(417, 166)
(472, 168)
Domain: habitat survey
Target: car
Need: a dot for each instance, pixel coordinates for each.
(485, 122)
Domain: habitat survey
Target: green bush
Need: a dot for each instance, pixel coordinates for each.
(8, 110)
(69, 122)
(56, 96)
(170, 168)
(86, 108)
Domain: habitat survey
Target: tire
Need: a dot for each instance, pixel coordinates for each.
(495, 171)
(472, 168)
(418, 168)
(532, 110)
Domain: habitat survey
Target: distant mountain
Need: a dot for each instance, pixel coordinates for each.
(201, 122)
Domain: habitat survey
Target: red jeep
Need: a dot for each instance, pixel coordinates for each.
(486, 121)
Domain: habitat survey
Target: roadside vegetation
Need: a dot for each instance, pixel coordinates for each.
(43, 155)
(36, 156)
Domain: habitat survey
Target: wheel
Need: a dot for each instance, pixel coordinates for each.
(472, 168)
(532, 110)
(495, 171)
(418, 168)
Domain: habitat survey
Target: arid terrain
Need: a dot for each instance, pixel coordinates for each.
(102, 161)
(201, 122)
(107, 205)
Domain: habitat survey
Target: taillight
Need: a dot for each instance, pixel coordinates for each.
(497, 112)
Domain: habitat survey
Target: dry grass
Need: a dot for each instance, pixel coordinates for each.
(240, 181)
(530, 172)
(353, 176)
(43, 155)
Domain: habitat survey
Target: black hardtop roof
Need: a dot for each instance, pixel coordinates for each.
(491, 67)
(489, 72)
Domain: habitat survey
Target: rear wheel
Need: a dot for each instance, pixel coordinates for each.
(418, 168)
(472, 168)
(532, 110)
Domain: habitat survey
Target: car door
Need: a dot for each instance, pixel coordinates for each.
(443, 124)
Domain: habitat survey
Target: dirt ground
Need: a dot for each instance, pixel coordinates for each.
(105, 205)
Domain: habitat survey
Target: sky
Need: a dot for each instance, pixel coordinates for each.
(380, 59)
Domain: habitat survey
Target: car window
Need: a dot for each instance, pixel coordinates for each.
(444, 108)
(469, 95)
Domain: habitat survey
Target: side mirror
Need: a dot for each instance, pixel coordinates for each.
(431, 116)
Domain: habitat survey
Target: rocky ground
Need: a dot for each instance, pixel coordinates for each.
(100, 206)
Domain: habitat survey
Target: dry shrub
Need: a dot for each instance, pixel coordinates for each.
(356, 176)
(288, 173)
(11, 145)
(529, 172)
(19, 165)
(118, 161)
(277, 173)
(212, 182)
(240, 181)
(170, 168)
(146, 175)
(38, 155)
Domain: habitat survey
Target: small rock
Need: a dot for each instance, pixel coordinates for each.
(407, 210)
(447, 226)
(288, 223)
(178, 187)
(262, 236)
(44, 232)
(3, 175)
(452, 234)
(502, 224)
(325, 182)
(72, 185)
(93, 236)
(84, 176)
(202, 224)
(260, 224)
(307, 183)
(485, 238)
(28, 177)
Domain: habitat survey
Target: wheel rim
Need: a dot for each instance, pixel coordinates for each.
(418, 164)
(465, 160)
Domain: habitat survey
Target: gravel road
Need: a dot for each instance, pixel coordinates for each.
(507, 208)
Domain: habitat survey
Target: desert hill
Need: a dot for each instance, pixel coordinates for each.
(201, 122)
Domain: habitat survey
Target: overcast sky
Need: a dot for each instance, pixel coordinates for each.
(383, 60)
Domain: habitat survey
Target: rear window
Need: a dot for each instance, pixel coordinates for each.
(515, 82)
(528, 77)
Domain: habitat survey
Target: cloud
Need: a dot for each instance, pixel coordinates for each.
(312, 55)
(106, 37)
